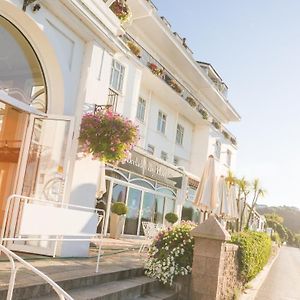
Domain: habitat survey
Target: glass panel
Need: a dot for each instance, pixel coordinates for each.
(44, 176)
(159, 216)
(132, 218)
(20, 72)
(12, 125)
(119, 193)
(169, 205)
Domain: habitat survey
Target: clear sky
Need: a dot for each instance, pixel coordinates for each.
(255, 47)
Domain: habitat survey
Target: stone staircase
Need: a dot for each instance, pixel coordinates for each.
(120, 284)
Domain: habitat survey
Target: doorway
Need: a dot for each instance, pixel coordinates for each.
(12, 129)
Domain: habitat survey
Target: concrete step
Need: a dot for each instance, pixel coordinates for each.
(127, 289)
(76, 281)
(161, 294)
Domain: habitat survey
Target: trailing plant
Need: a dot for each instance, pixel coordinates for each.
(119, 208)
(107, 136)
(192, 102)
(171, 254)
(171, 217)
(135, 49)
(155, 69)
(253, 254)
(121, 10)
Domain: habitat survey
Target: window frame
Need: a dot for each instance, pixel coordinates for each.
(141, 110)
(218, 149)
(228, 157)
(161, 122)
(117, 69)
(149, 146)
(164, 155)
(179, 134)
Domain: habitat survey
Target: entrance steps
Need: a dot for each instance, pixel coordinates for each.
(120, 284)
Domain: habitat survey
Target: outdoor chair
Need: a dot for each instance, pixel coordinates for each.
(41, 220)
(151, 230)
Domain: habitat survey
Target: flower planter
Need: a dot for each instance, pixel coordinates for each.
(155, 69)
(115, 226)
(225, 134)
(216, 124)
(192, 102)
(121, 10)
(175, 86)
(203, 113)
(135, 49)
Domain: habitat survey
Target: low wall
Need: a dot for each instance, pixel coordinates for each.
(229, 280)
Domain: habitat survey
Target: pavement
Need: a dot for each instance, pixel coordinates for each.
(283, 280)
(117, 254)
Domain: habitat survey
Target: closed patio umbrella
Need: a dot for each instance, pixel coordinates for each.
(206, 195)
(233, 203)
(101, 188)
(224, 206)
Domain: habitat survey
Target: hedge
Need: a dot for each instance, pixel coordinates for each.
(253, 254)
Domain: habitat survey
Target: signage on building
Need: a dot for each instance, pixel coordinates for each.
(148, 167)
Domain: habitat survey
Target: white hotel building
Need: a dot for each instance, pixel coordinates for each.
(61, 58)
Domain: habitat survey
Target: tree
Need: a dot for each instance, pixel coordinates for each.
(243, 192)
(258, 191)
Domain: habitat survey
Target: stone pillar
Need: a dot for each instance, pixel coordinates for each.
(208, 262)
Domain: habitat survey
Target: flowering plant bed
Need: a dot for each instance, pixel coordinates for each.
(107, 136)
(121, 10)
(175, 86)
(135, 49)
(155, 69)
(171, 254)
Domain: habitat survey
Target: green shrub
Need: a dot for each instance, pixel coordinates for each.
(119, 208)
(276, 238)
(171, 217)
(253, 254)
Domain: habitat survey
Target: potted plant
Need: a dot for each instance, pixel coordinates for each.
(171, 219)
(216, 124)
(192, 102)
(225, 134)
(175, 86)
(135, 49)
(117, 219)
(107, 136)
(203, 113)
(155, 69)
(121, 10)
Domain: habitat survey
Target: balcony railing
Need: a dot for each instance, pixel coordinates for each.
(160, 71)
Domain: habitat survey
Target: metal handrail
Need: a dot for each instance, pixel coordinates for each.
(14, 269)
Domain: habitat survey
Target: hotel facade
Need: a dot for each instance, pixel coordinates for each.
(60, 59)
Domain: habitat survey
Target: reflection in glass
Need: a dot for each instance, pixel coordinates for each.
(119, 193)
(20, 72)
(132, 218)
(169, 205)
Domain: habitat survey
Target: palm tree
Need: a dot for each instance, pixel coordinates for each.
(258, 191)
(243, 192)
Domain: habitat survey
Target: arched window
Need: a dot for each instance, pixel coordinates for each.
(21, 75)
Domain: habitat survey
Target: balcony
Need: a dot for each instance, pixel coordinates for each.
(161, 72)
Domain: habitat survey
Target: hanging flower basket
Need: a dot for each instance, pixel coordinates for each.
(233, 141)
(155, 69)
(216, 124)
(121, 10)
(225, 134)
(107, 136)
(135, 49)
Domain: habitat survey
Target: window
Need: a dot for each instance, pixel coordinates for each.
(117, 76)
(176, 161)
(164, 155)
(218, 149)
(161, 122)
(112, 99)
(150, 149)
(141, 109)
(228, 160)
(179, 134)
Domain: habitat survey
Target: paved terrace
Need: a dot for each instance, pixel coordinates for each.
(117, 255)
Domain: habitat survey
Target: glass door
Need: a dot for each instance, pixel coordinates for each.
(43, 169)
(12, 128)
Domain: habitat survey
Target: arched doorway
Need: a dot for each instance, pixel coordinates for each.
(22, 85)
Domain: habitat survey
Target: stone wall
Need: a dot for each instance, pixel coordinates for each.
(229, 280)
